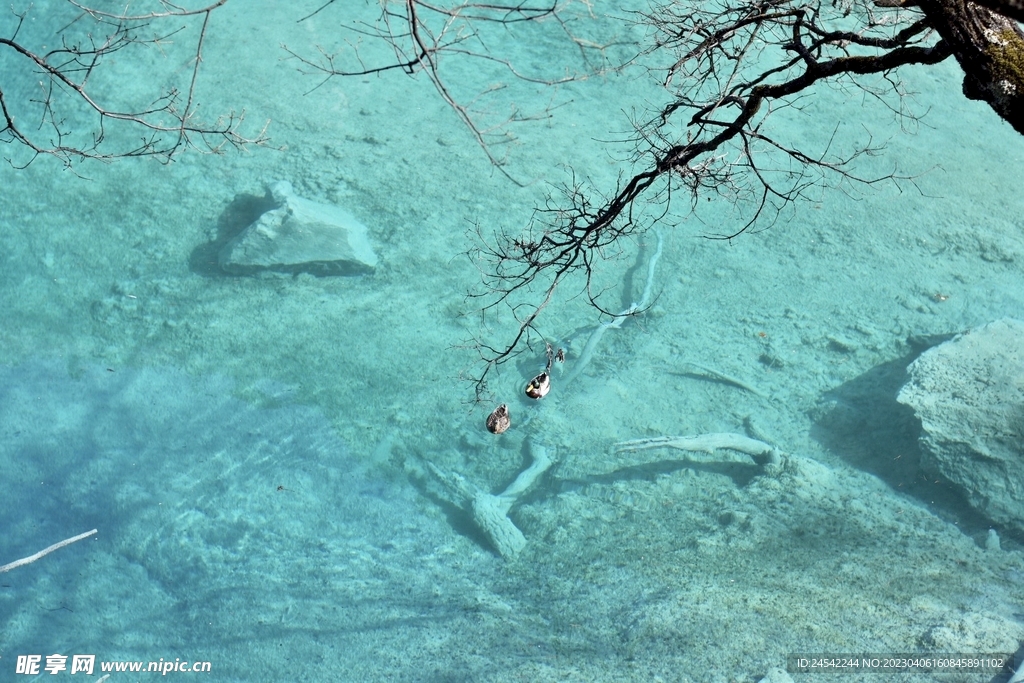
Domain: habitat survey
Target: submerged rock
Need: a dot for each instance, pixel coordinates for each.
(300, 236)
(969, 395)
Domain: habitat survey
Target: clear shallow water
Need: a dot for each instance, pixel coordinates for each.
(252, 450)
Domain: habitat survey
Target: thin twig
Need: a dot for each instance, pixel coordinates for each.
(46, 551)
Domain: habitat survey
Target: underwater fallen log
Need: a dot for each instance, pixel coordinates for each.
(490, 511)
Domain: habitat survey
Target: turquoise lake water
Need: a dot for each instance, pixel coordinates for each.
(255, 451)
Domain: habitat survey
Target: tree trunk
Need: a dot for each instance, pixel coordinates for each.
(990, 49)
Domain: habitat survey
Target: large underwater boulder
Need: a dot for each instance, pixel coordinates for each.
(300, 236)
(969, 395)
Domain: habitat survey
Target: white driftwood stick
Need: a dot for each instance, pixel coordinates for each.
(541, 463)
(707, 443)
(595, 336)
(46, 551)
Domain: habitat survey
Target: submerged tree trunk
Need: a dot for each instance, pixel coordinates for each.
(989, 48)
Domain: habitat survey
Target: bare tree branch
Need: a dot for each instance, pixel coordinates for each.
(728, 66)
(66, 96)
(422, 34)
(737, 63)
